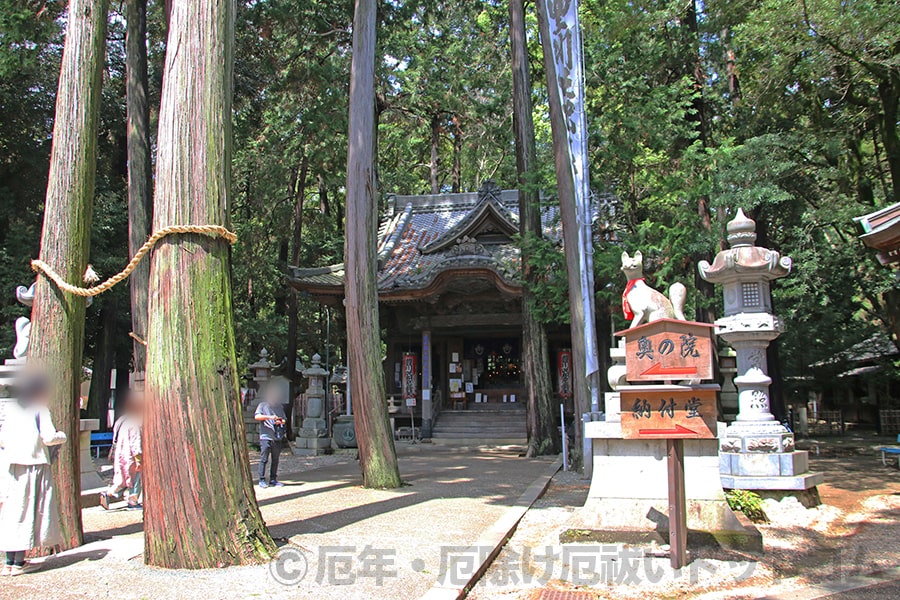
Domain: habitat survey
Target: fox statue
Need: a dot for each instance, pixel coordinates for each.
(641, 303)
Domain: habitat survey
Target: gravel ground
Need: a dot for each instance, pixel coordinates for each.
(854, 531)
(455, 496)
(343, 534)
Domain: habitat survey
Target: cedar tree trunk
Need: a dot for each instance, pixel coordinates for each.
(543, 436)
(435, 147)
(104, 360)
(298, 189)
(200, 509)
(377, 456)
(57, 331)
(140, 176)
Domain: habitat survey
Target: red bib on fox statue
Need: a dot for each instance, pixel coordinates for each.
(626, 308)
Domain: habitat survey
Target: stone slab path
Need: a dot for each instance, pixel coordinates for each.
(338, 539)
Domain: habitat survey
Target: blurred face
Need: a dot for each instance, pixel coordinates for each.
(135, 406)
(34, 390)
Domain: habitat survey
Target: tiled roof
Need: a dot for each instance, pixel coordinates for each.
(443, 225)
(881, 230)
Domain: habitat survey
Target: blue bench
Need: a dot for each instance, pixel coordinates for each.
(885, 450)
(102, 440)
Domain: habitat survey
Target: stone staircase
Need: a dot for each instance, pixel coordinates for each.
(489, 424)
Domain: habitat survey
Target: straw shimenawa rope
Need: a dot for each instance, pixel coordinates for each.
(214, 231)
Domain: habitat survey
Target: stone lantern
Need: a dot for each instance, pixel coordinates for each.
(261, 369)
(757, 452)
(312, 437)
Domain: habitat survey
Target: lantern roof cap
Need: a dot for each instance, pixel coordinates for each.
(263, 362)
(741, 230)
(744, 261)
(316, 369)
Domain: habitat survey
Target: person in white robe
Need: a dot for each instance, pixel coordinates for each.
(29, 513)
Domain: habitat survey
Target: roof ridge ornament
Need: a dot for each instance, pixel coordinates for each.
(467, 246)
(489, 191)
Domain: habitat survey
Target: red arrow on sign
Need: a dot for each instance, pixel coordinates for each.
(662, 371)
(678, 430)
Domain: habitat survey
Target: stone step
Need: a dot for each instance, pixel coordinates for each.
(474, 435)
(477, 415)
(487, 425)
(487, 408)
(475, 422)
(517, 429)
(495, 406)
(519, 443)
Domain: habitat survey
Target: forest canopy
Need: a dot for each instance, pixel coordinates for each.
(786, 109)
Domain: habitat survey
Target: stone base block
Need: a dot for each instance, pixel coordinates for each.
(90, 479)
(311, 432)
(309, 423)
(629, 489)
(613, 407)
(709, 521)
(766, 442)
(90, 497)
(800, 482)
(311, 446)
(776, 464)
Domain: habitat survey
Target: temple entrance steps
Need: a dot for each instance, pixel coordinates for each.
(482, 425)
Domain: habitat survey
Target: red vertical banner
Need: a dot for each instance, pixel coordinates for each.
(410, 378)
(564, 373)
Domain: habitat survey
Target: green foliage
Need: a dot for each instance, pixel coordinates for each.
(788, 110)
(30, 50)
(778, 108)
(550, 296)
(748, 503)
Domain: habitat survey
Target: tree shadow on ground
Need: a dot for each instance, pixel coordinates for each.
(857, 472)
(484, 478)
(72, 557)
(105, 534)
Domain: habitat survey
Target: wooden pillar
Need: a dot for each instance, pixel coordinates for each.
(425, 393)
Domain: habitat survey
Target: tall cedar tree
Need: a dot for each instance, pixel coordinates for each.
(200, 509)
(140, 176)
(377, 456)
(543, 436)
(57, 334)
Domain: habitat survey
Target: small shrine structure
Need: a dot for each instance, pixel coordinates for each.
(450, 296)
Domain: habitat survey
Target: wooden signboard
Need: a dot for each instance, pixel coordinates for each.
(669, 412)
(669, 350)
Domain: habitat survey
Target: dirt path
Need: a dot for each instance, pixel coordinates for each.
(854, 531)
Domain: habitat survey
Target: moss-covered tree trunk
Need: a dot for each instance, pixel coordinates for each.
(543, 436)
(200, 510)
(140, 176)
(57, 331)
(377, 456)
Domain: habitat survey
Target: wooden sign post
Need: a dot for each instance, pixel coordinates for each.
(669, 350)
